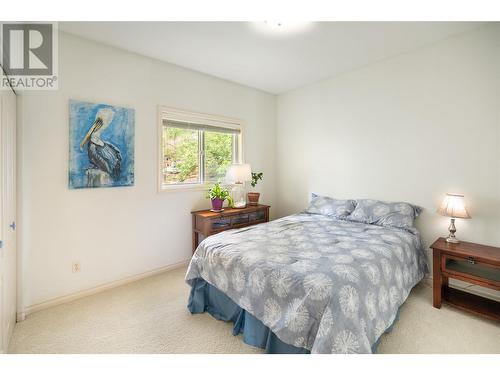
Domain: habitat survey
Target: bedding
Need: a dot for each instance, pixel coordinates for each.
(336, 208)
(325, 285)
(388, 214)
(207, 298)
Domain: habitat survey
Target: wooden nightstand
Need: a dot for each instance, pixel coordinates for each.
(469, 262)
(206, 222)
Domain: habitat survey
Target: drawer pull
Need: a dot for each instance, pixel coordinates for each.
(471, 260)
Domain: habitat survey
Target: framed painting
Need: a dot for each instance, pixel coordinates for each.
(101, 145)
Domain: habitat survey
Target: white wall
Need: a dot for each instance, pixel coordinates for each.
(118, 232)
(408, 128)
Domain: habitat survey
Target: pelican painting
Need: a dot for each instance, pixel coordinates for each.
(101, 145)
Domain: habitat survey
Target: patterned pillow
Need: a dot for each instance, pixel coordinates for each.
(388, 214)
(336, 208)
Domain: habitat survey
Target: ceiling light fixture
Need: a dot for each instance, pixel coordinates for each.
(273, 24)
(281, 27)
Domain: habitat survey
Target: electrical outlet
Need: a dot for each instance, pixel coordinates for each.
(76, 267)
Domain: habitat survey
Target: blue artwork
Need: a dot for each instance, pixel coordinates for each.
(101, 145)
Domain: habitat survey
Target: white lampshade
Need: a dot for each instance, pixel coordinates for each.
(238, 173)
(454, 206)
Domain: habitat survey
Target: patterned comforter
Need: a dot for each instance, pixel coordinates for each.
(327, 285)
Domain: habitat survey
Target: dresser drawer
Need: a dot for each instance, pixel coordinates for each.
(471, 269)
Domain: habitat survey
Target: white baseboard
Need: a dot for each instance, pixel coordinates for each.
(469, 288)
(20, 316)
(100, 288)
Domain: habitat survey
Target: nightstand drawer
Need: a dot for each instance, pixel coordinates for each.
(220, 223)
(471, 268)
(257, 215)
(240, 219)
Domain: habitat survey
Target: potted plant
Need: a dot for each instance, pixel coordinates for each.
(253, 197)
(218, 195)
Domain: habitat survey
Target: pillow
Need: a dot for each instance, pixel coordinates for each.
(387, 214)
(336, 208)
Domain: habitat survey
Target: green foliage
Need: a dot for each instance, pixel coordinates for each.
(230, 201)
(217, 191)
(218, 155)
(182, 151)
(255, 178)
(181, 155)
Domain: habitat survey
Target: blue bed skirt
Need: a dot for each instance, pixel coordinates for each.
(206, 297)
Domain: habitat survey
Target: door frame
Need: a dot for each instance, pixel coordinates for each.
(6, 134)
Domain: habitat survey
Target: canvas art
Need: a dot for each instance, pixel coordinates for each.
(101, 149)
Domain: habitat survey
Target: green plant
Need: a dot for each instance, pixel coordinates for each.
(255, 178)
(218, 192)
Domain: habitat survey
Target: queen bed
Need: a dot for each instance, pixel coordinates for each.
(329, 280)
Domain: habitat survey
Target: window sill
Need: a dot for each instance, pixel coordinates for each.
(183, 187)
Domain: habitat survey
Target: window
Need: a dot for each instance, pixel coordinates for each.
(196, 149)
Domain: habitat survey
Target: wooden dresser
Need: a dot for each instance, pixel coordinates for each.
(206, 222)
(469, 262)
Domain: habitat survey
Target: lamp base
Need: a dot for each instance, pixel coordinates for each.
(238, 194)
(451, 237)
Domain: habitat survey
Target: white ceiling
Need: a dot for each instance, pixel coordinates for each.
(255, 54)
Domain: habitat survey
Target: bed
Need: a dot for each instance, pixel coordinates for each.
(307, 283)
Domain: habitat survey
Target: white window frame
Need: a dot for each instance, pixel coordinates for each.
(173, 114)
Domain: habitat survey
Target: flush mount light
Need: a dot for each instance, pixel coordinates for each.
(281, 27)
(274, 24)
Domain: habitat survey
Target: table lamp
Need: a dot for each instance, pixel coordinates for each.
(237, 175)
(453, 206)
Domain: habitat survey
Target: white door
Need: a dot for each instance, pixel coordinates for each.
(8, 262)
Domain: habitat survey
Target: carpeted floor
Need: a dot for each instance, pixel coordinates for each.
(150, 316)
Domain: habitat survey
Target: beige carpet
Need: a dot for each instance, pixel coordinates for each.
(150, 316)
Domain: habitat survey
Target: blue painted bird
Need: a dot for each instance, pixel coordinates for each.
(102, 155)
